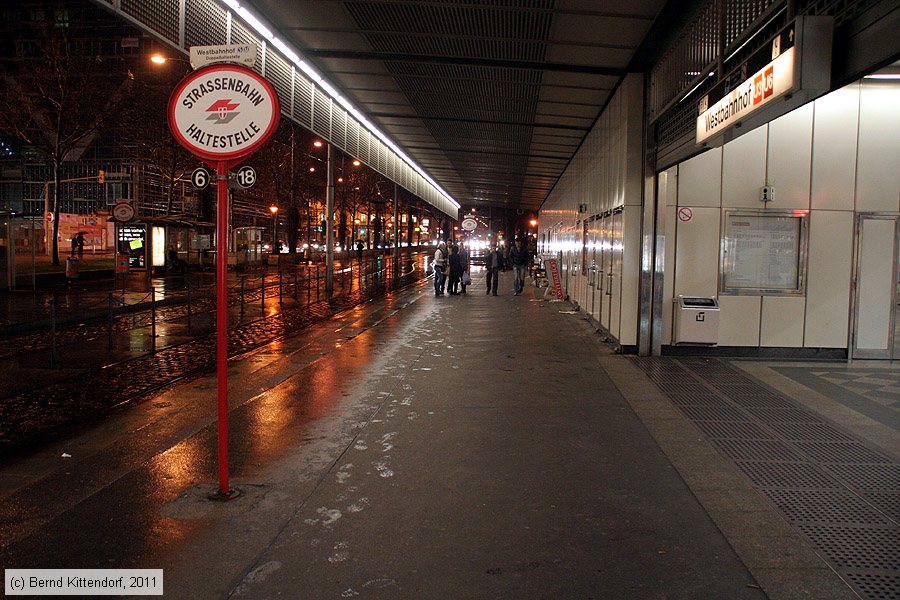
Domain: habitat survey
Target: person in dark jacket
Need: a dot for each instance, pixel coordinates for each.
(518, 256)
(492, 264)
(455, 271)
(464, 262)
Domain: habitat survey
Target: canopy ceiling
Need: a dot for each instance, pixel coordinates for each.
(491, 97)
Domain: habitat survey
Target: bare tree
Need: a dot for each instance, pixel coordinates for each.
(58, 96)
(293, 176)
(143, 125)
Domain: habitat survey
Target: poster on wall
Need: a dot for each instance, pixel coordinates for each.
(763, 253)
(132, 242)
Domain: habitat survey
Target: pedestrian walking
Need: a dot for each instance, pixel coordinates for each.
(359, 250)
(492, 265)
(455, 271)
(440, 263)
(518, 256)
(465, 279)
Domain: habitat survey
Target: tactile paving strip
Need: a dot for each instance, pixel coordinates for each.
(843, 495)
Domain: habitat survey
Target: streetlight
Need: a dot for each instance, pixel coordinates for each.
(161, 59)
(274, 210)
(533, 222)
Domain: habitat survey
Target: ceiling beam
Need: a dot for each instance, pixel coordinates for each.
(478, 121)
(464, 61)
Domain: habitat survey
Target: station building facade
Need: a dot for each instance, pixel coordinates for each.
(791, 225)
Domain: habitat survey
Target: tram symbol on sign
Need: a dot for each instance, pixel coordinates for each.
(224, 111)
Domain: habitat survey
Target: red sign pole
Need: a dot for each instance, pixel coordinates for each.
(221, 127)
(222, 321)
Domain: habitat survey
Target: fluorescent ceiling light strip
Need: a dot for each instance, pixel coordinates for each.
(883, 76)
(288, 53)
(255, 23)
(294, 57)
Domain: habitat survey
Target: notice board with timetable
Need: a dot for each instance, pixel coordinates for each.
(764, 253)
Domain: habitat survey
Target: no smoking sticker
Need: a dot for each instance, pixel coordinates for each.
(685, 214)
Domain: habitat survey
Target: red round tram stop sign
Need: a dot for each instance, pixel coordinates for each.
(223, 112)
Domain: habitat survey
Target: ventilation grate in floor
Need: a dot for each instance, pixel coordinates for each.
(856, 548)
(843, 495)
(824, 506)
(720, 412)
(756, 450)
(782, 415)
(887, 502)
(876, 585)
(749, 400)
(733, 430)
(786, 474)
(868, 477)
(840, 452)
(809, 432)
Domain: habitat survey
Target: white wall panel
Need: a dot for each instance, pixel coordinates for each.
(782, 322)
(739, 320)
(700, 179)
(876, 284)
(697, 254)
(790, 153)
(878, 154)
(605, 173)
(828, 279)
(744, 169)
(669, 278)
(631, 269)
(834, 145)
(671, 191)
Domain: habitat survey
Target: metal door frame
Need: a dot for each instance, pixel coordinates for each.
(852, 351)
(618, 260)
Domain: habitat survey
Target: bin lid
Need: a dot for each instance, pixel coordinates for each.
(700, 302)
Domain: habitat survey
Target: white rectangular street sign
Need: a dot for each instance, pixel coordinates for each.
(244, 54)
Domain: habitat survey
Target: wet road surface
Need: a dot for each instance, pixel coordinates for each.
(413, 447)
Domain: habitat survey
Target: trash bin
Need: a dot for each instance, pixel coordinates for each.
(71, 268)
(696, 320)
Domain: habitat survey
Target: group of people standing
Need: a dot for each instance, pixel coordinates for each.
(452, 267)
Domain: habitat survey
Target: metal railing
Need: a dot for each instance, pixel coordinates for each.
(65, 318)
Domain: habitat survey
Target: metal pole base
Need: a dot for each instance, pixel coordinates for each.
(219, 496)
